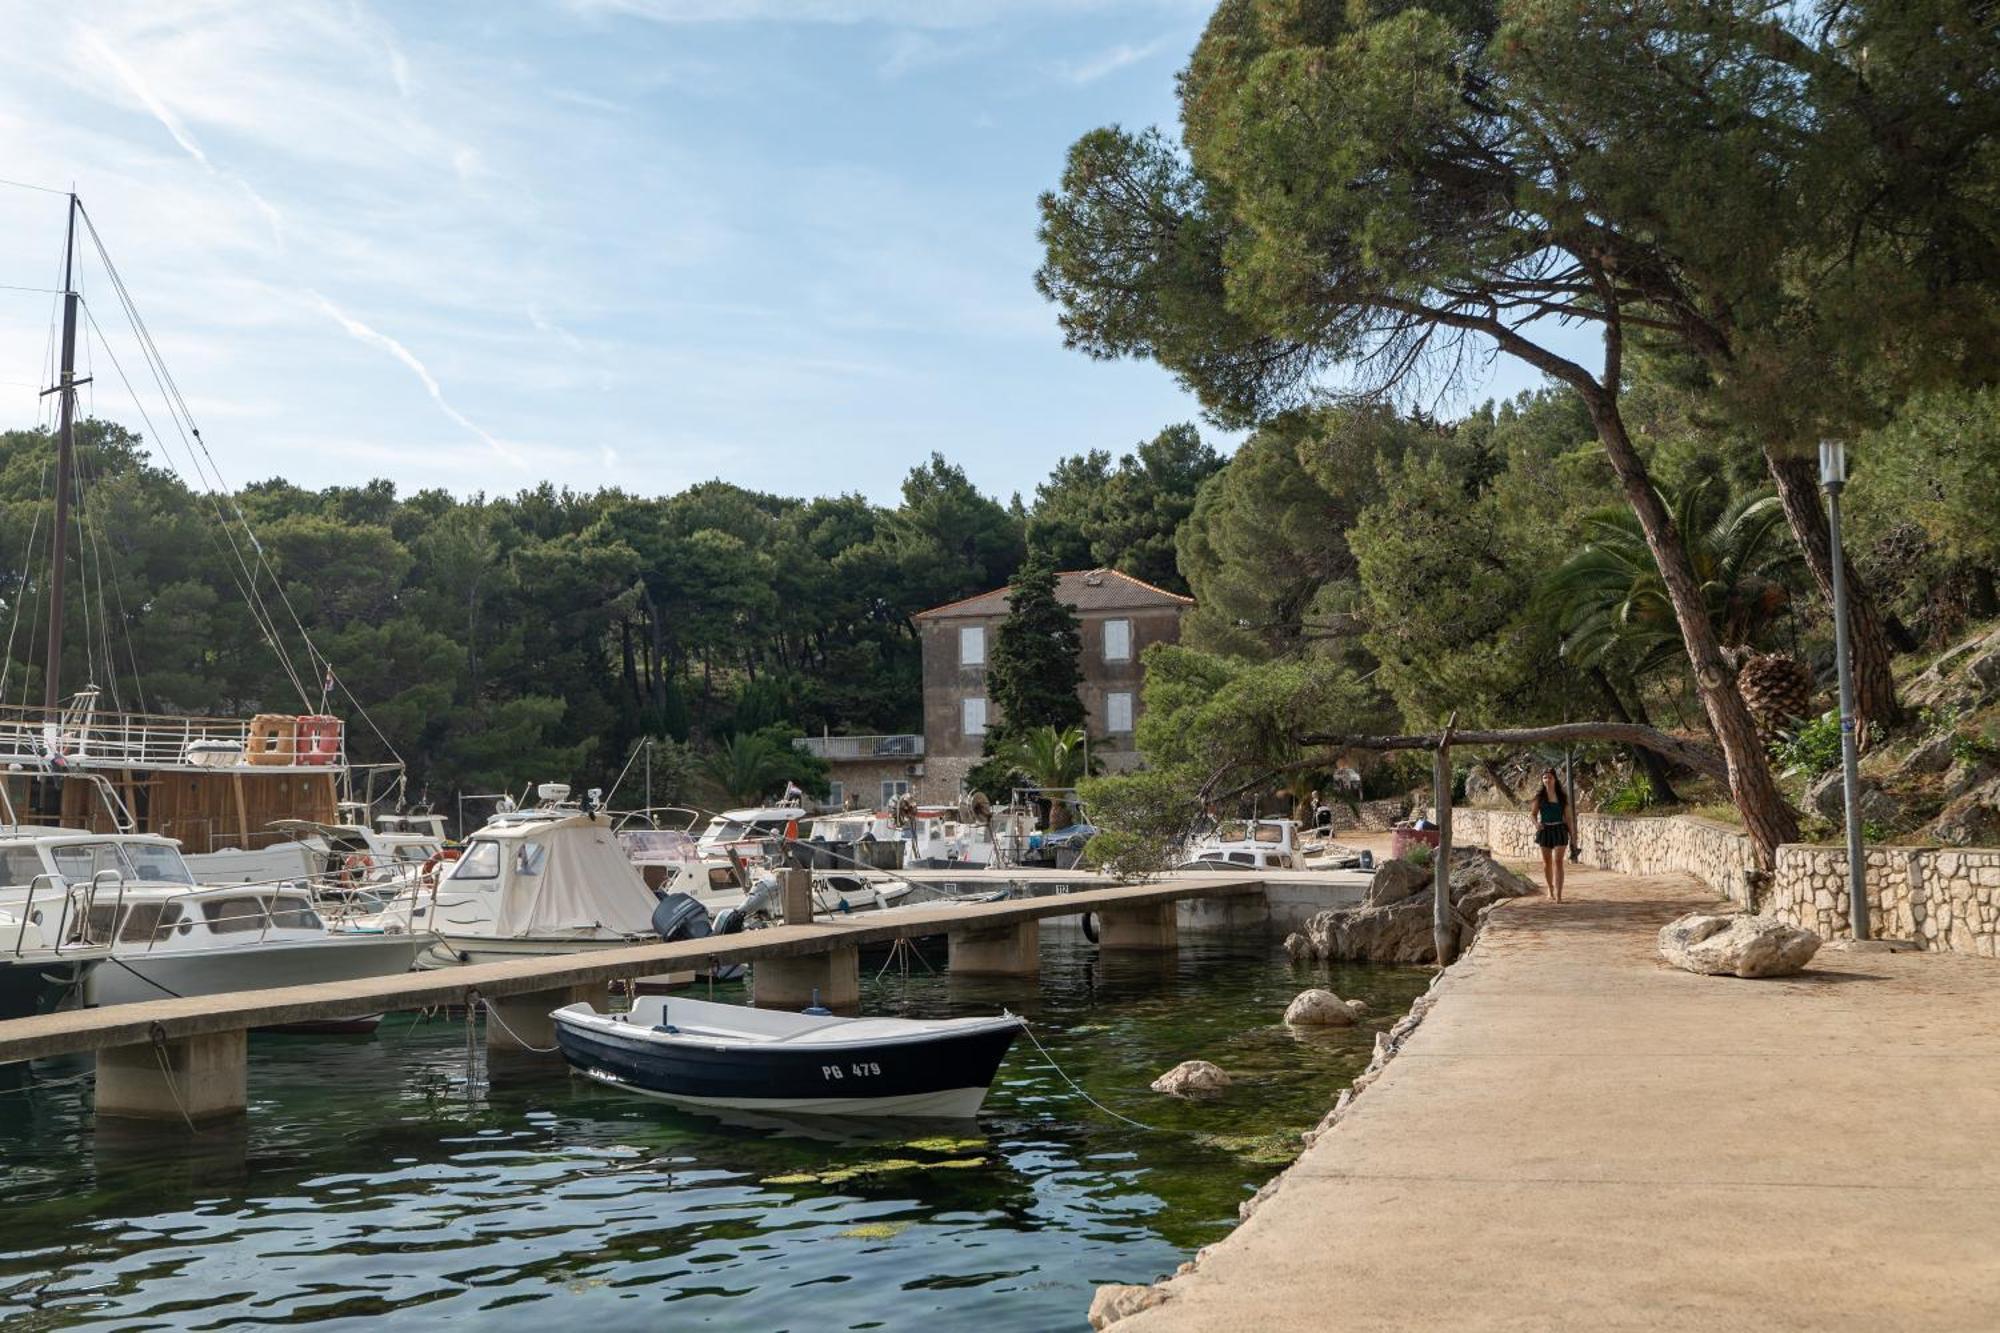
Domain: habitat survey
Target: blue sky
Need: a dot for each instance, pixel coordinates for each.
(637, 242)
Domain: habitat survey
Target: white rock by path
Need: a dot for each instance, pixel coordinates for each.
(1318, 1008)
(1190, 1077)
(1737, 945)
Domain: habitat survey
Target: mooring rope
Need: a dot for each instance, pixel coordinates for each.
(1029, 1028)
(493, 1016)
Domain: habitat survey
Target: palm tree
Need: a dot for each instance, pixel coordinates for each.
(745, 767)
(1053, 759)
(1612, 605)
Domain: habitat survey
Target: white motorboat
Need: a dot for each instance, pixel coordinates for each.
(745, 833)
(1268, 844)
(548, 880)
(168, 937)
(701, 1054)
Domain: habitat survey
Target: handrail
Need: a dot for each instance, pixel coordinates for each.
(117, 906)
(27, 910)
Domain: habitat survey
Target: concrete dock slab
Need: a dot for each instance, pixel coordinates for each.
(1581, 1137)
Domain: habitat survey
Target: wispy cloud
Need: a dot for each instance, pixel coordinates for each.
(1105, 63)
(375, 338)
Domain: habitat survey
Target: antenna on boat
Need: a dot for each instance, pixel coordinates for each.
(65, 465)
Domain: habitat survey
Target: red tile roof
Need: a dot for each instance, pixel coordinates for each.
(1084, 589)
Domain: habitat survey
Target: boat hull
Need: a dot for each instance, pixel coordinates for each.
(944, 1075)
(29, 987)
(165, 973)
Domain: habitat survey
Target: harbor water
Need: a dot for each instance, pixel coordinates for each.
(390, 1175)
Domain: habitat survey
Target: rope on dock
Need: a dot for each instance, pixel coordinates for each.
(493, 1016)
(1029, 1028)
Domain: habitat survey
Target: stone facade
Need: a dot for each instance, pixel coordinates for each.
(1148, 615)
(1943, 898)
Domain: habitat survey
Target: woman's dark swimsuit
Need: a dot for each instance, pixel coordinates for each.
(1552, 829)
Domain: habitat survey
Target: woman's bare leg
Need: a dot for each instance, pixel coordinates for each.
(1561, 858)
(1548, 871)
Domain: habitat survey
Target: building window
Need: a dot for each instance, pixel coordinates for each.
(972, 717)
(1117, 640)
(972, 645)
(894, 790)
(1118, 712)
(836, 795)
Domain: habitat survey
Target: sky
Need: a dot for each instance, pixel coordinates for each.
(643, 243)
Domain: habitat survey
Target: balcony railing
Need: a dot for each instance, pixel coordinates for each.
(863, 747)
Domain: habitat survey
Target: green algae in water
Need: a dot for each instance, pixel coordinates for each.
(399, 1185)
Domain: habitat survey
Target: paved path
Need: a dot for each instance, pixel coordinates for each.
(1578, 1137)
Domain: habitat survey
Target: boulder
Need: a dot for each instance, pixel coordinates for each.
(1932, 756)
(1829, 798)
(1966, 774)
(1121, 1301)
(1963, 678)
(1190, 1078)
(1400, 931)
(1395, 880)
(1318, 1008)
(1971, 820)
(1736, 945)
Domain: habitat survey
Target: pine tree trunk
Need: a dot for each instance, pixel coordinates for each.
(1874, 683)
(1769, 820)
(1654, 767)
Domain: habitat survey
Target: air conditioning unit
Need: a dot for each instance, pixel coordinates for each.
(916, 770)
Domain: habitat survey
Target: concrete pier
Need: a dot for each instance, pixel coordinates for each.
(199, 1078)
(1150, 928)
(523, 1025)
(1002, 951)
(1581, 1137)
(791, 983)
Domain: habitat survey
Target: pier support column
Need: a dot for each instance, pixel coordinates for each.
(520, 1024)
(999, 951)
(1138, 929)
(789, 983)
(200, 1078)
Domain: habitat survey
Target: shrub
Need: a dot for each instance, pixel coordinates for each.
(1814, 749)
(1419, 855)
(1629, 797)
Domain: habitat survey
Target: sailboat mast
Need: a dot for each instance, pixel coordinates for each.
(65, 465)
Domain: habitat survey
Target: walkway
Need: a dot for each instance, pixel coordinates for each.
(1578, 1137)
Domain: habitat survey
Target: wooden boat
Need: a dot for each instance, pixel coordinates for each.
(701, 1054)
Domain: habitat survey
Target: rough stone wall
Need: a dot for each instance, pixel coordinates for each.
(1943, 898)
(1373, 816)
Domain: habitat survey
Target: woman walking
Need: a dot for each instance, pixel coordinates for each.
(1555, 829)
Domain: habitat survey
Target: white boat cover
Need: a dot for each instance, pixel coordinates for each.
(559, 877)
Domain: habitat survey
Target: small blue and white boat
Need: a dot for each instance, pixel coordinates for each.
(701, 1054)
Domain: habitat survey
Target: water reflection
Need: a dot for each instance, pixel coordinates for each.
(392, 1174)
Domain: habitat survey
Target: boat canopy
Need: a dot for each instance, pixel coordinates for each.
(555, 875)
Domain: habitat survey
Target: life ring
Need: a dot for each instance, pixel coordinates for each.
(1090, 926)
(354, 867)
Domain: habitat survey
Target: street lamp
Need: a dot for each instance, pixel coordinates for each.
(1833, 479)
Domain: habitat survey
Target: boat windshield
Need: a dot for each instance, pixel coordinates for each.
(481, 861)
(1270, 833)
(657, 845)
(19, 865)
(157, 862)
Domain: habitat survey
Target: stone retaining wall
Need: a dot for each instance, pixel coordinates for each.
(1943, 898)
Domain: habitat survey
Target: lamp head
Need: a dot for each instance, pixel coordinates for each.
(1832, 464)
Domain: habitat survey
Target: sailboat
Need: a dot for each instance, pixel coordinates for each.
(101, 802)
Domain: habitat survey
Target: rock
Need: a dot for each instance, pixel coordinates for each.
(1298, 946)
(1318, 1008)
(1971, 820)
(1932, 756)
(1119, 1301)
(1400, 932)
(1357, 1007)
(1966, 774)
(1190, 1078)
(1962, 679)
(1737, 945)
(1829, 798)
(1395, 880)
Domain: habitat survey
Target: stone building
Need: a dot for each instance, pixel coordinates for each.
(1119, 617)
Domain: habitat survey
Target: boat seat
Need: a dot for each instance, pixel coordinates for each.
(667, 1028)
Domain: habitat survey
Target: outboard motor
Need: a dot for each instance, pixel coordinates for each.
(680, 916)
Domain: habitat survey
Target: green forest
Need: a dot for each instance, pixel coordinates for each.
(497, 641)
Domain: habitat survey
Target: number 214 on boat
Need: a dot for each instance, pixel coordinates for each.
(859, 1069)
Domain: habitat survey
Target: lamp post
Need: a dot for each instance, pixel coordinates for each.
(1833, 479)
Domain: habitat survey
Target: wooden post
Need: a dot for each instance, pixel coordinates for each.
(1444, 928)
(242, 811)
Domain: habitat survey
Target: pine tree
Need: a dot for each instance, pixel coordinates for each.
(1033, 678)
